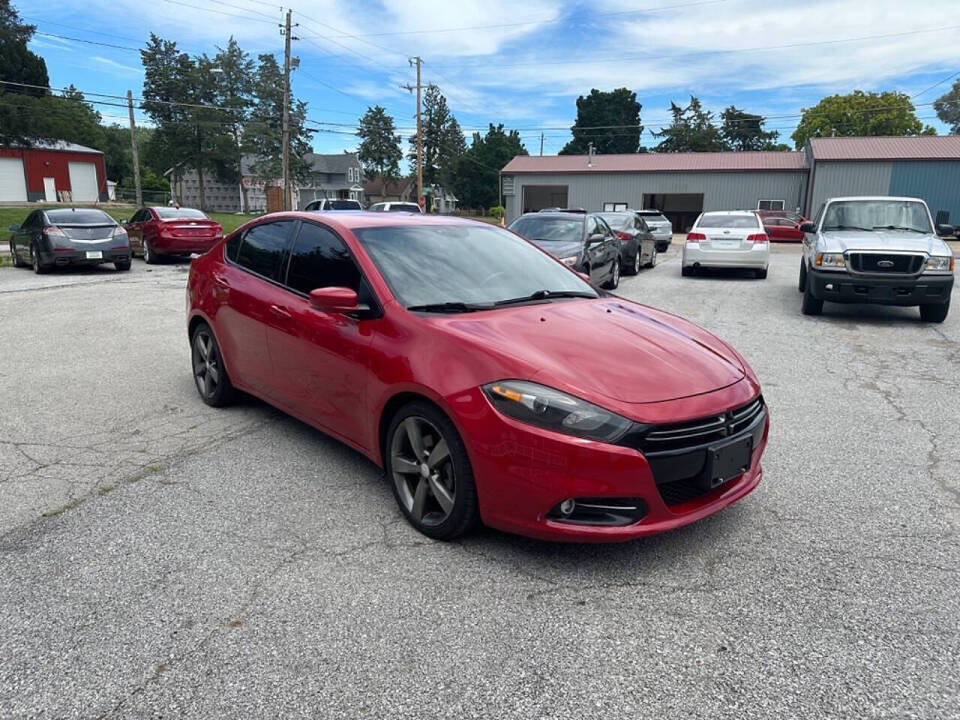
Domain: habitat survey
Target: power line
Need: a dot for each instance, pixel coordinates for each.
(939, 82)
(88, 42)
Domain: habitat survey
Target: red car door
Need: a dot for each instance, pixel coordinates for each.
(245, 289)
(134, 231)
(322, 359)
(783, 229)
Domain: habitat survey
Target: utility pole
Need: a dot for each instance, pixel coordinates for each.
(417, 61)
(133, 151)
(541, 144)
(287, 194)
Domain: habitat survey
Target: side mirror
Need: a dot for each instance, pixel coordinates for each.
(596, 238)
(808, 227)
(943, 230)
(14, 228)
(334, 300)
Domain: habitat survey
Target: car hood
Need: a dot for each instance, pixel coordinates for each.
(843, 240)
(559, 248)
(605, 348)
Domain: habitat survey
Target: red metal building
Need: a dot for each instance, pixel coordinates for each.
(54, 172)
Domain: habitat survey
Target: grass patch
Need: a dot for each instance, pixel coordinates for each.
(64, 508)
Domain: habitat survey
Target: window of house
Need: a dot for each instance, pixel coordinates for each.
(614, 206)
(770, 205)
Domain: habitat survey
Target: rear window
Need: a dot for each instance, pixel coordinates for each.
(654, 217)
(342, 205)
(618, 220)
(79, 217)
(405, 207)
(169, 213)
(722, 220)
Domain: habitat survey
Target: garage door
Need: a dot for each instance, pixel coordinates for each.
(83, 181)
(13, 184)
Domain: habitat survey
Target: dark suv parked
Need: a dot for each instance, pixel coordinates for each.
(583, 241)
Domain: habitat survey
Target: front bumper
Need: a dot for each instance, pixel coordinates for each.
(755, 257)
(523, 472)
(843, 287)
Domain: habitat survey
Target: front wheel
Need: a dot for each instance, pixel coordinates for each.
(811, 305)
(760, 274)
(614, 282)
(209, 372)
(935, 313)
(431, 475)
(688, 271)
(17, 262)
(802, 283)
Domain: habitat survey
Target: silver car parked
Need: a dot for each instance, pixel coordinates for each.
(728, 239)
(882, 250)
(660, 226)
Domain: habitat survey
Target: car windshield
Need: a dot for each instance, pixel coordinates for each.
(427, 265)
(540, 228)
(877, 214)
(618, 221)
(79, 217)
(723, 220)
(169, 213)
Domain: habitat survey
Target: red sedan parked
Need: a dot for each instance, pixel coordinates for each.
(783, 229)
(156, 232)
(488, 380)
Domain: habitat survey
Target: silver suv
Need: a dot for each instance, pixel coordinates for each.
(660, 226)
(882, 250)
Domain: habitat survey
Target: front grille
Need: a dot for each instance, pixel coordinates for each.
(678, 453)
(892, 263)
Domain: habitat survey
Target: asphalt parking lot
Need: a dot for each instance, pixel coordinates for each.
(159, 557)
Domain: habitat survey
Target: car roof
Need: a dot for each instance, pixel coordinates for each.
(351, 220)
(729, 212)
(557, 213)
(876, 197)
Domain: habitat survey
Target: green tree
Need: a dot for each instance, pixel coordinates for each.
(263, 134)
(947, 107)
(743, 131)
(476, 180)
(20, 109)
(232, 73)
(860, 113)
(379, 151)
(441, 149)
(609, 120)
(691, 130)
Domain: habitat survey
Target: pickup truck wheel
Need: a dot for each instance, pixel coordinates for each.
(760, 274)
(811, 306)
(687, 271)
(935, 313)
(801, 286)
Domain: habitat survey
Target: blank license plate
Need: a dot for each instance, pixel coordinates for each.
(728, 461)
(726, 244)
(94, 255)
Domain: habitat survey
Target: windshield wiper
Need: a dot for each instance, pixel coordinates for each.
(847, 227)
(898, 227)
(546, 295)
(449, 307)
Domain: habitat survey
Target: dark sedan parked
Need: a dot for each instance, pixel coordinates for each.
(638, 246)
(69, 236)
(583, 242)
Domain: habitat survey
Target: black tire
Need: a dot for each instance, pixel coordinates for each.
(453, 472)
(935, 313)
(149, 256)
(688, 271)
(802, 284)
(811, 305)
(209, 373)
(653, 258)
(634, 264)
(614, 282)
(122, 266)
(760, 274)
(17, 262)
(38, 267)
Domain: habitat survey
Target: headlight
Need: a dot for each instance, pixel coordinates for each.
(570, 261)
(831, 261)
(554, 410)
(941, 263)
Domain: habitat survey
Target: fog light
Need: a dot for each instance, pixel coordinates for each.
(568, 506)
(828, 286)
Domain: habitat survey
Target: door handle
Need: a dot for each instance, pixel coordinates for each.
(279, 312)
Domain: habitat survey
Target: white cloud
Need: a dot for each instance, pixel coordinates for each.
(136, 70)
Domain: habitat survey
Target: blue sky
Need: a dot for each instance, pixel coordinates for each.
(525, 63)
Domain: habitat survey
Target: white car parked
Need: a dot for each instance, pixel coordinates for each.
(410, 207)
(730, 239)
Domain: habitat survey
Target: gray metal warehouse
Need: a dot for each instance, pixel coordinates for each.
(682, 185)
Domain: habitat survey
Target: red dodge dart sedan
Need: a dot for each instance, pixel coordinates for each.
(488, 380)
(156, 232)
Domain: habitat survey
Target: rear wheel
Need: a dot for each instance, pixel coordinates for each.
(149, 256)
(811, 305)
(935, 313)
(432, 480)
(614, 280)
(760, 274)
(635, 265)
(209, 373)
(38, 267)
(122, 265)
(653, 258)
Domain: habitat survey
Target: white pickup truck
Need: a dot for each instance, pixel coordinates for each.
(882, 250)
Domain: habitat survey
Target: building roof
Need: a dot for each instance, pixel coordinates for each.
(394, 187)
(660, 162)
(335, 164)
(60, 146)
(924, 147)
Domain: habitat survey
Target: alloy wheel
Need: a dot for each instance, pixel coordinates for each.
(636, 262)
(423, 471)
(147, 255)
(206, 363)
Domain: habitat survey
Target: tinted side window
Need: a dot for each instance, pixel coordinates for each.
(263, 248)
(320, 259)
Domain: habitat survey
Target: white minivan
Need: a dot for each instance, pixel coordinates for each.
(728, 239)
